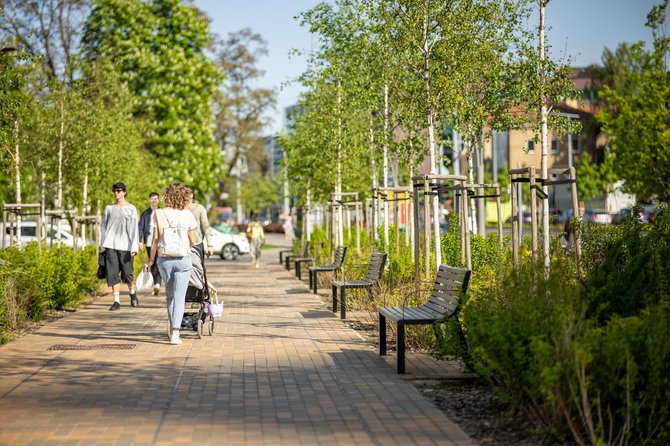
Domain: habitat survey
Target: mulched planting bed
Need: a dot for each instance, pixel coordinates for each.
(472, 405)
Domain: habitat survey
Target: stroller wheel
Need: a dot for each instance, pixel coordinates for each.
(200, 327)
(210, 326)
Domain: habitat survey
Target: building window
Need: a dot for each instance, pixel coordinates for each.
(530, 146)
(554, 145)
(575, 144)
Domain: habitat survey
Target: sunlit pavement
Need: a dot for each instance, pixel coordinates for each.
(279, 370)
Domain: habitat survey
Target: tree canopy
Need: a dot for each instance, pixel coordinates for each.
(158, 48)
(637, 116)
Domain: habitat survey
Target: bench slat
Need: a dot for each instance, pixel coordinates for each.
(438, 300)
(450, 288)
(450, 275)
(444, 310)
(417, 315)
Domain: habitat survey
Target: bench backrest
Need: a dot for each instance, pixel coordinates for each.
(450, 284)
(305, 249)
(340, 252)
(376, 266)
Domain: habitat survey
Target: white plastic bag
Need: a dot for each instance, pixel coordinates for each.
(145, 280)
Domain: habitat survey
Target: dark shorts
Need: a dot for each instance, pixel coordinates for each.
(118, 262)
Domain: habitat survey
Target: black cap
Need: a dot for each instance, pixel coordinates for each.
(119, 185)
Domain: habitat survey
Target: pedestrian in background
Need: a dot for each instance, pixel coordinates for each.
(572, 225)
(288, 226)
(146, 229)
(202, 232)
(119, 243)
(171, 249)
(256, 235)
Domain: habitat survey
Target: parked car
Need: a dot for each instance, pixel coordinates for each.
(229, 246)
(645, 212)
(29, 230)
(598, 216)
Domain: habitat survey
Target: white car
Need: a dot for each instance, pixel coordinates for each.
(228, 246)
(28, 234)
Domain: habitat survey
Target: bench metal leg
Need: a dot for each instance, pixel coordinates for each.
(314, 281)
(298, 267)
(382, 334)
(334, 299)
(281, 258)
(401, 348)
(310, 278)
(343, 303)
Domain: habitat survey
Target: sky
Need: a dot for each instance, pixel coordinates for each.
(580, 29)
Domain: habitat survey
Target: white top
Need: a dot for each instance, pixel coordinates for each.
(119, 228)
(174, 218)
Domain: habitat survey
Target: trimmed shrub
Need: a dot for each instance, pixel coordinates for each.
(34, 283)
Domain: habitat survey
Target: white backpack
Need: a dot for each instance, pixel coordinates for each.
(173, 241)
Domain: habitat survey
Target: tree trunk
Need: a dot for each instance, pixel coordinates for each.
(471, 224)
(338, 185)
(481, 202)
(385, 172)
(61, 148)
(544, 144)
(84, 200)
(17, 176)
(430, 115)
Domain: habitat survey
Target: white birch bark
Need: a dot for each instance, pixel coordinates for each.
(338, 185)
(544, 142)
(385, 172)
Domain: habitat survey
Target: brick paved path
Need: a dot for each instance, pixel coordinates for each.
(280, 370)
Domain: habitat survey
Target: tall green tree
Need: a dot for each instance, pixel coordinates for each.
(637, 116)
(158, 47)
(241, 106)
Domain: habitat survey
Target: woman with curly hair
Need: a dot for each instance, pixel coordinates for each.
(171, 249)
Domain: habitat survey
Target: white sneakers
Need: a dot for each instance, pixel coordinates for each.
(174, 339)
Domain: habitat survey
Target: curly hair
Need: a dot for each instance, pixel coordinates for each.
(176, 196)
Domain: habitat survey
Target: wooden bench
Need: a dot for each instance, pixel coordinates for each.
(373, 274)
(289, 257)
(340, 253)
(450, 285)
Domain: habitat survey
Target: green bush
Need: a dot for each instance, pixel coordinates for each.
(627, 267)
(34, 282)
(585, 356)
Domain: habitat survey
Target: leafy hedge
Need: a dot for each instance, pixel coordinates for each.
(34, 283)
(586, 356)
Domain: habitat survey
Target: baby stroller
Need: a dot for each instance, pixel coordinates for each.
(197, 296)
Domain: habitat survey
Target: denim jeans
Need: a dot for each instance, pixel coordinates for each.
(175, 272)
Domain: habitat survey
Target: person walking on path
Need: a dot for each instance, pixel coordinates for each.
(119, 243)
(572, 225)
(288, 226)
(257, 236)
(171, 249)
(146, 228)
(202, 231)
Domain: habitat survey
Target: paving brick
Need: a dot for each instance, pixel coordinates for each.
(281, 369)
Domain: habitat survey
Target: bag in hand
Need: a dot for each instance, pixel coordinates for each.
(102, 266)
(145, 280)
